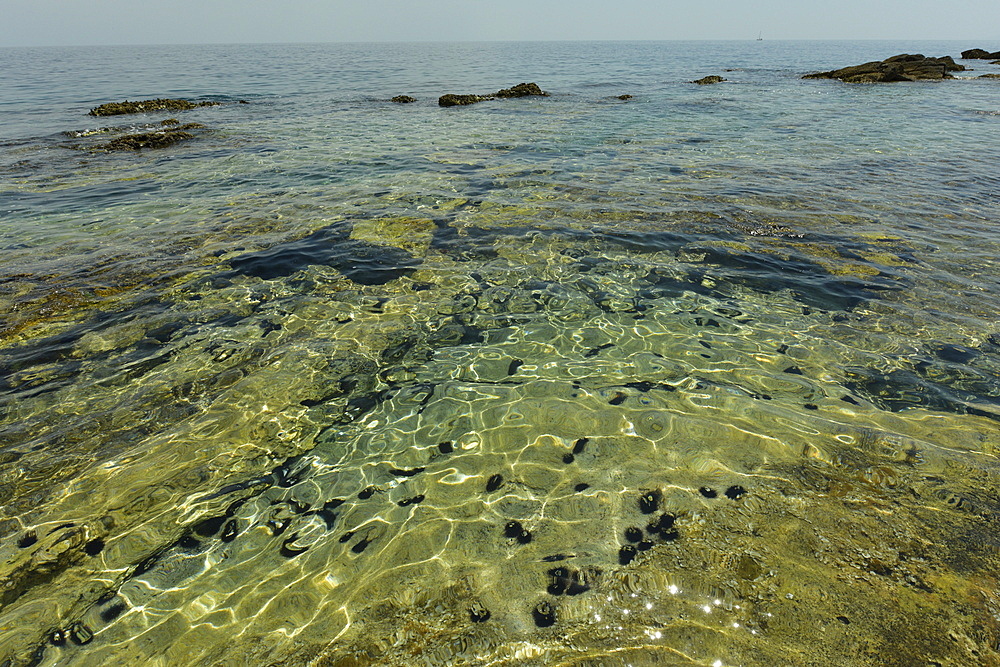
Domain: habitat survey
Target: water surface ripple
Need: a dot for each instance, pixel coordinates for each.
(707, 376)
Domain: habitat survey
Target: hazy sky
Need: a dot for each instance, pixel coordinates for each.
(85, 22)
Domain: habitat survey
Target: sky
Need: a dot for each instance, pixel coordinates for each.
(90, 22)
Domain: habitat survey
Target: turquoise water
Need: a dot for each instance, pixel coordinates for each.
(704, 376)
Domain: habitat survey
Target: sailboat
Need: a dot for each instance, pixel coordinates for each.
(760, 36)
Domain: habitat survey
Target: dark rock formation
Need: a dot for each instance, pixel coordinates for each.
(157, 139)
(708, 79)
(980, 54)
(134, 142)
(624, 97)
(145, 106)
(404, 99)
(520, 90)
(460, 100)
(989, 76)
(904, 67)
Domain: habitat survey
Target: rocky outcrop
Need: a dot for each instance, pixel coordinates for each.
(158, 139)
(904, 67)
(708, 79)
(989, 76)
(145, 106)
(404, 99)
(520, 90)
(980, 54)
(624, 97)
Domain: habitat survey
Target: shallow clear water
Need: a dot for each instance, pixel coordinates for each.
(727, 355)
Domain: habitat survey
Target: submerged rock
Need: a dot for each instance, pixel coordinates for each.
(145, 106)
(403, 99)
(362, 262)
(980, 54)
(157, 139)
(460, 100)
(989, 76)
(708, 79)
(624, 97)
(520, 90)
(904, 67)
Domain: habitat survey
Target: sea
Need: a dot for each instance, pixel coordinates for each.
(641, 372)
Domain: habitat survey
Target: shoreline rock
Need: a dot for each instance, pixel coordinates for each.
(904, 67)
(980, 54)
(704, 81)
(146, 106)
(520, 90)
(403, 99)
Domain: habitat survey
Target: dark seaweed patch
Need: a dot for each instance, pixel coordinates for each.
(27, 540)
(210, 526)
(367, 492)
(794, 370)
(735, 492)
(361, 545)
(478, 613)
(446, 447)
(593, 352)
(113, 612)
(494, 483)
(952, 389)
(289, 549)
(661, 524)
(554, 558)
(568, 458)
(362, 262)
(57, 638)
(626, 554)
(649, 501)
(405, 473)
(544, 615)
(278, 526)
(93, 547)
(230, 531)
(808, 281)
(346, 536)
(583, 486)
(512, 529)
(618, 398)
(513, 366)
(633, 534)
(707, 492)
(579, 445)
(415, 500)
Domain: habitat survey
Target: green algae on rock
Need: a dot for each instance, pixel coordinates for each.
(520, 90)
(145, 106)
(704, 81)
(159, 139)
(403, 99)
(904, 67)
